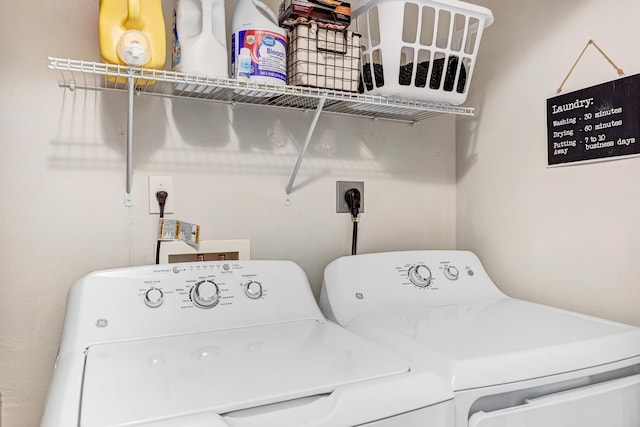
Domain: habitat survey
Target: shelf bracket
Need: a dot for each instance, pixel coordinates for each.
(307, 140)
(128, 197)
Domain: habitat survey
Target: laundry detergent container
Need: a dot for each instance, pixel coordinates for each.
(420, 49)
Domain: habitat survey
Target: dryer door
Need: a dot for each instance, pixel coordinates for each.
(614, 403)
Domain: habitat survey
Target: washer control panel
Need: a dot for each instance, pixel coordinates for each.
(171, 299)
(208, 287)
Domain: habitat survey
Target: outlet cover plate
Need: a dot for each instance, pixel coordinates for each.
(157, 183)
(341, 188)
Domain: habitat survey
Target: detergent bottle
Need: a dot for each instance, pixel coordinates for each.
(132, 32)
(255, 27)
(200, 38)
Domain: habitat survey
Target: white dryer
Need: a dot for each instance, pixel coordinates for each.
(509, 362)
(224, 344)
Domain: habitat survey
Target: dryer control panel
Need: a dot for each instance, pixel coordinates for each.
(424, 274)
(163, 300)
(379, 281)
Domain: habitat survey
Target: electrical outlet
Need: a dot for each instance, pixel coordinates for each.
(341, 188)
(157, 183)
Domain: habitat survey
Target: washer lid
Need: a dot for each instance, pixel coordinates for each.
(498, 341)
(127, 383)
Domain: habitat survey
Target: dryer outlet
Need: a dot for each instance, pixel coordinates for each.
(341, 188)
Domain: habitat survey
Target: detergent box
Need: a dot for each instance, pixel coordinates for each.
(332, 14)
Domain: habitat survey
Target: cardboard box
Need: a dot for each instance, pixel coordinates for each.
(332, 14)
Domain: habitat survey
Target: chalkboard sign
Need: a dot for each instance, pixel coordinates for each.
(598, 122)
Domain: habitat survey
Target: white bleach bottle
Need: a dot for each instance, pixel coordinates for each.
(255, 27)
(200, 38)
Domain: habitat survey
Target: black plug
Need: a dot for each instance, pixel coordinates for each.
(161, 197)
(352, 197)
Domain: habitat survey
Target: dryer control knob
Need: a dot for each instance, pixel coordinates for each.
(451, 272)
(205, 294)
(420, 275)
(153, 297)
(253, 290)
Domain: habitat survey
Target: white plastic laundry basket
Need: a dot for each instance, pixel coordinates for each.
(421, 49)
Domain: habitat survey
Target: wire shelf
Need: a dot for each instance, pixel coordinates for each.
(78, 74)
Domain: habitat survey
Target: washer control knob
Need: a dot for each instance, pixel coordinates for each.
(153, 297)
(205, 294)
(420, 275)
(253, 290)
(451, 272)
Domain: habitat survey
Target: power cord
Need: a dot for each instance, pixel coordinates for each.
(352, 197)
(161, 197)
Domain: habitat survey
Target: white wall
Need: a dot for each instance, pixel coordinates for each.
(567, 236)
(63, 177)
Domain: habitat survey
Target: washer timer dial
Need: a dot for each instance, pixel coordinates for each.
(205, 294)
(420, 275)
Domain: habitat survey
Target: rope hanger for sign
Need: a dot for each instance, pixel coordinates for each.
(590, 42)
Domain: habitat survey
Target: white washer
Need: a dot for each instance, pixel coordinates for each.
(237, 343)
(509, 362)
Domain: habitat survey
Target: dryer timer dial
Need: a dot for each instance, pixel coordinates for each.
(420, 275)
